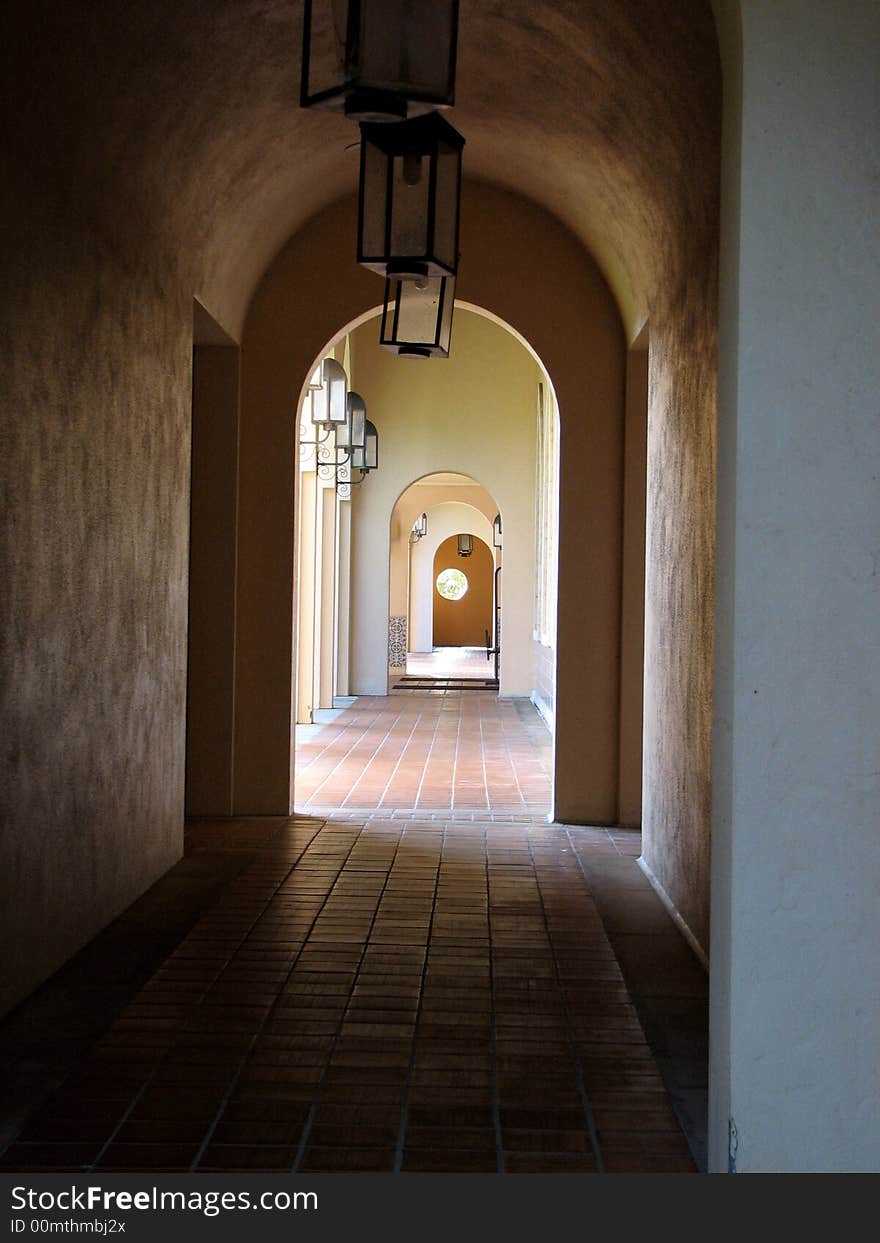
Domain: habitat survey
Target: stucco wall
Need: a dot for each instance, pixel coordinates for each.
(679, 572)
(795, 1071)
(95, 462)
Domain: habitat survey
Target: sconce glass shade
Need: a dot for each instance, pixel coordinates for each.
(379, 60)
(496, 531)
(417, 317)
(352, 433)
(409, 197)
(465, 545)
(329, 406)
(367, 458)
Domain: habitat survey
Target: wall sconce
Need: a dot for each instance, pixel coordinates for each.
(327, 399)
(496, 531)
(379, 60)
(352, 433)
(348, 443)
(419, 528)
(367, 458)
(417, 317)
(465, 545)
(409, 198)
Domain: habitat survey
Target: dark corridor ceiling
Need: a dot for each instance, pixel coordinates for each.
(180, 120)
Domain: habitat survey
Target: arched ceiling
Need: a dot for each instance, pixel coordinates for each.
(180, 123)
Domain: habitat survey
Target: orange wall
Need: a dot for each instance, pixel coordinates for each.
(464, 622)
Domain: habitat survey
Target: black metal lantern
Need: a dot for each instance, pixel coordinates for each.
(417, 317)
(379, 60)
(408, 202)
(496, 531)
(328, 401)
(352, 433)
(419, 528)
(367, 458)
(465, 545)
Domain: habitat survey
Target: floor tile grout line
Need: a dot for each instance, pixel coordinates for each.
(455, 759)
(427, 759)
(364, 731)
(496, 1098)
(151, 1077)
(273, 1007)
(316, 1099)
(566, 1010)
(404, 1112)
(399, 758)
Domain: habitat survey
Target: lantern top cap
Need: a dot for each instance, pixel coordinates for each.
(404, 137)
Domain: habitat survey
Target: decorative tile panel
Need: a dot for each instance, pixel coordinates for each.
(396, 642)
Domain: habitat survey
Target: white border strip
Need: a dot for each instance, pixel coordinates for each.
(676, 915)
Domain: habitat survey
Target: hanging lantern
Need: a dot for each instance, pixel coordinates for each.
(496, 531)
(328, 403)
(419, 528)
(352, 433)
(408, 202)
(465, 545)
(379, 60)
(367, 458)
(417, 317)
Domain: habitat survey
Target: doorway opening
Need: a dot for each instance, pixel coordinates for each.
(446, 576)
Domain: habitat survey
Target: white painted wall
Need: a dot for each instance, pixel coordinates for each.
(472, 413)
(795, 1073)
(451, 518)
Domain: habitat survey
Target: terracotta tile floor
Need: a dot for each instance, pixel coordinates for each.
(449, 753)
(415, 979)
(435, 996)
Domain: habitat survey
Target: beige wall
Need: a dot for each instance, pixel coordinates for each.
(210, 683)
(463, 623)
(95, 398)
(632, 610)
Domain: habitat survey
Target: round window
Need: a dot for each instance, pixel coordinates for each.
(452, 584)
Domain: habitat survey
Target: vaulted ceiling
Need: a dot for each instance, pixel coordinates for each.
(179, 124)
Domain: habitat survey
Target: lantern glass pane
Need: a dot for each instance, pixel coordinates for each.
(326, 69)
(419, 312)
(358, 457)
(409, 206)
(351, 433)
(446, 207)
(371, 453)
(406, 46)
(444, 334)
(336, 384)
(318, 406)
(374, 202)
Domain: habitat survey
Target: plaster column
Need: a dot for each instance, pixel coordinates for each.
(343, 593)
(795, 1069)
(210, 697)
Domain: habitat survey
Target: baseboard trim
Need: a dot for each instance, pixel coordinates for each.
(544, 713)
(677, 918)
